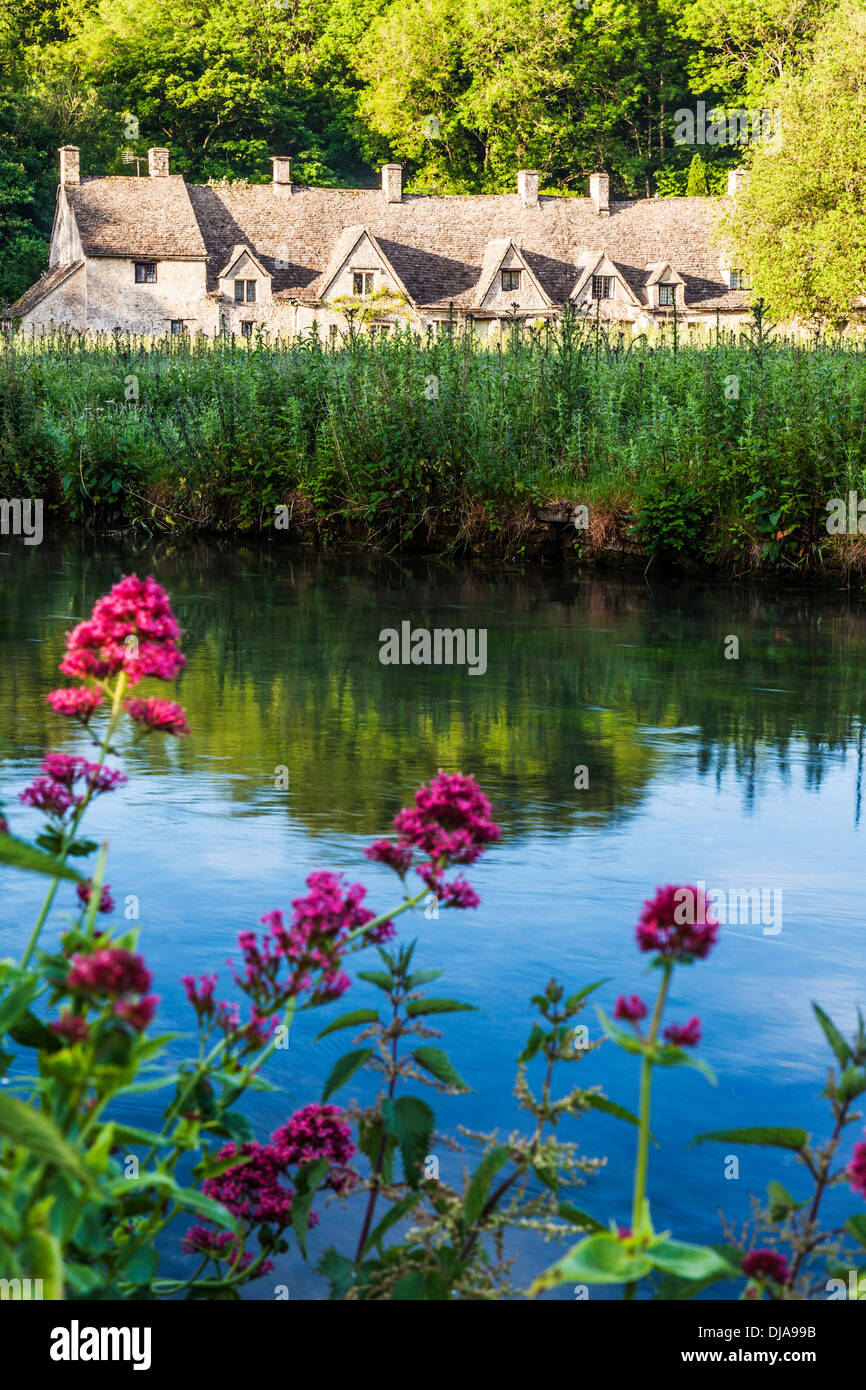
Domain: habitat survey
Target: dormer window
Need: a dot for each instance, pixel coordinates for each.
(145, 272)
(245, 291)
(602, 287)
(667, 296)
(510, 279)
(737, 280)
(362, 281)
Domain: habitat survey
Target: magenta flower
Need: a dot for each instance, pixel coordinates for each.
(131, 629)
(221, 1245)
(137, 1013)
(75, 702)
(56, 790)
(112, 971)
(857, 1169)
(85, 891)
(767, 1265)
(630, 1008)
(201, 997)
(316, 1131)
(252, 1191)
(450, 820)
(73, 1027)
(162, 715)
(683, 1034)
(676, 925)
(397, 857)
(51, 797)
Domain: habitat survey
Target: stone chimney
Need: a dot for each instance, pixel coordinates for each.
(737, 180)
(70, 165)
(157, 164)
(527, 187)
(282, 175)
(599, 192)
(392, 182)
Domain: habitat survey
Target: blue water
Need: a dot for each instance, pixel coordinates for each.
(742, 774)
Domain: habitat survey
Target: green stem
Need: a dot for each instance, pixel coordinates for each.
(642, 1164)
(70, 834)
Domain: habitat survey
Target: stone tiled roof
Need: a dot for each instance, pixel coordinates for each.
(437, 245)
(137, 217)
(51, 280)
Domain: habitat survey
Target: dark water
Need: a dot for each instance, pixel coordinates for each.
(743, 773)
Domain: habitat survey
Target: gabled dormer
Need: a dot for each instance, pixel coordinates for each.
(602, 283)
(358, 268)
(664, 289)
(507, 282)
(244, 279)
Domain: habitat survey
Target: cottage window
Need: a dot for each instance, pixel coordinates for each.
(245, 291)
(177, 326)
(602, 287)
(738, 280)
(246, 328)
(510, 279)
(362, 281)
(667, 296)
(145, 272)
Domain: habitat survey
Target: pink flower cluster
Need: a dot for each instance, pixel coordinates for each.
(766, 1265)
(116, 974)
(857, 1169)
(131, 629)
(85, 892)
(253, 1192)
(630, 1009)
(676, 926)
(162, 715)
(75, 702)
(451, 823)
(683, 1034)
(56, 790)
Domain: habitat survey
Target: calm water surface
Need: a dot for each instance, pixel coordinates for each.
(745, 774)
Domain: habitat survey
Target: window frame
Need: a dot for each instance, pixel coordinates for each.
(367, 282)
(605, 281)
(667, 295)
(737, 279)
(177, 327)
(144, 267)
(513, 278)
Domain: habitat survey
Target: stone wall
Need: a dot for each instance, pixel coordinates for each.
(114, 300)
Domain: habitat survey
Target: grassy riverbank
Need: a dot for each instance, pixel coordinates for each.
(718, 452)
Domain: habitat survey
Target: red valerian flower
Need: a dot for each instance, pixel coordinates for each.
(221, 1245)
(162, 715)
(683, 1034)
(71, 1026)
(112, 971)
(316, 1131)
(676, 925)
(137, 1013)
(857, 1169)
(56, 790)
(131, 629)
(631, 1008)
(252, 1190)
(85, 892)
(767, 1265)
(75, 702)
(450, 820)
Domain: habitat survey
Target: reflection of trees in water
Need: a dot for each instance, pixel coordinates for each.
(283, 669)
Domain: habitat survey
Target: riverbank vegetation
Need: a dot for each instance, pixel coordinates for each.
(725, 451)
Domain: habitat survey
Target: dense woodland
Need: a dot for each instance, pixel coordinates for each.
(463, 92)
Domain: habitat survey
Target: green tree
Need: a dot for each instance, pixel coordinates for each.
(800, 226)
(696, 187)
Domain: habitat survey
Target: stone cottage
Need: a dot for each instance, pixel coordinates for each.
(158, 255)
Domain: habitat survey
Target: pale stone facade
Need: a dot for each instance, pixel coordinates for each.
(155, 255)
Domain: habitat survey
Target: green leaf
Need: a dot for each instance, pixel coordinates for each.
(396, 1213)
(236, 1126)
(781, 1203)
(15, 1004)
(833, 1036)
(30, 1031)
(627, 1041)
(476, 1193)
(422, 977)
(409, 1288)
(436, 1006)
(410, 1120)
(672, 1056)
(674, 1288)
(29, 1129)
(437, 1062)
(610, 1107)
(380, 978)
(773, 1137)
(856, 1226)
(600, 1259)
(350, 1020)
(533, 1043)
(306, 1184)
(851, 1084)
(339, 1272)
(344, 1069)
(688, 1261)
(573, 1000)
(17, 854)
(578, 1217)
(187, 1197)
